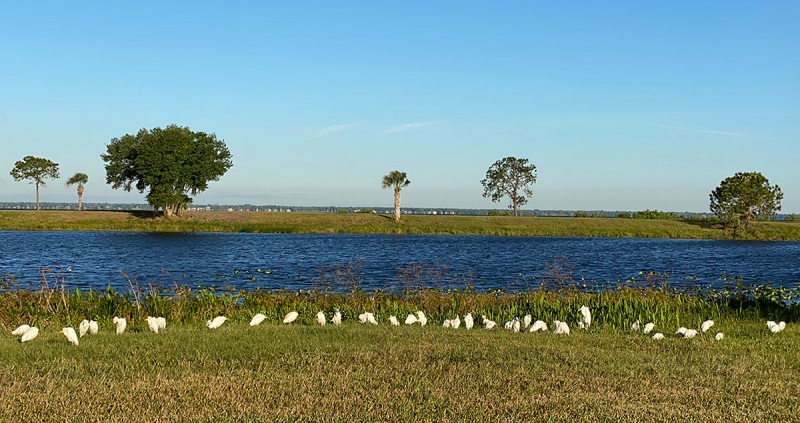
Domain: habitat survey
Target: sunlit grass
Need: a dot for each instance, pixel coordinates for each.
(365, 373)
(362, 223)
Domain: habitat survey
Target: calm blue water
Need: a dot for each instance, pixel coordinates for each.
(94, 259)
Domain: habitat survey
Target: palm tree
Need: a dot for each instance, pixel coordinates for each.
(397, 180)
(80, 179)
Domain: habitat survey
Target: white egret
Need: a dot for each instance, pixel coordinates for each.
(72, 337)
(508, 325)
(706, 325)
(719, 337)
(562, 328)
(257, 319)
(362, 318)
(681, 331)
(93, 327)
(83, 327)
(152, 324)
(587, 317)
(469, 322)
(658, 336)
(20, 330)
(773, 327)
(447, 323)
(526, 321)
(538, 326)
(456, 322)
(371, 318)
(515, 325)
(321, 318)
(411, 319)
(690, 333)
(337, 317)
(782, 325)
(120, 323)
(488, 324)
(649, 327)
(291, 317)
(421, 319)
(162, 323)
(30, 334)
(217, 322)
(635, 326)
(393, 321)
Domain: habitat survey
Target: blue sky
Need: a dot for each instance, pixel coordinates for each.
(620, 105)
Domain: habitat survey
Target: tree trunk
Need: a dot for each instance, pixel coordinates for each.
(80, 197)
(37, 196)
(515, 209)
(397, 204)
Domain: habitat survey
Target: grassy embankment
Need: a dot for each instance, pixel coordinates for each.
(304, 372)
(358, 223)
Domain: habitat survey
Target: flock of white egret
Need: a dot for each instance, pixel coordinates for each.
(156, 324)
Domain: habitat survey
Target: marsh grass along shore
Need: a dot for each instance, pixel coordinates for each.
(363, 223)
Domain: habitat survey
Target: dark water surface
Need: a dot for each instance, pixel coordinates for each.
(94, 259)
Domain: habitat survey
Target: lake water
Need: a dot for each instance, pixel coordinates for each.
(392, 262)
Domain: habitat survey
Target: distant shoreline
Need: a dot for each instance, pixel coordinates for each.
(370, 223)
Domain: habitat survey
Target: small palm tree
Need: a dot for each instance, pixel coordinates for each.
(80, 179)
(399, 181)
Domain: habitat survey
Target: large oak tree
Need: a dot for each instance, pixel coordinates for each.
(744, 197)
(169, 163)
(510, 177)
(37, 170)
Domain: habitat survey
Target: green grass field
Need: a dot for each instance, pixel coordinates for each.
(359, 223)
(364, 373)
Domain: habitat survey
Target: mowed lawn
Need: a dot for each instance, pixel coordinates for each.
(358, 373)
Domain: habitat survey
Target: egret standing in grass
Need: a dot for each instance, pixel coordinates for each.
(30, 334)
(690, 333)
(456, 322)
(539, 326)
(321, 318)
(93, 327)
(586, 317)
(526, 321)
(411, 319)
(337, 317)
(257, 319)
(152, 324)
(20, 330)
(658, 336)
(217, 322)
(469, 322)
(161, 322)
(719, 336)
(393, 321)
(649, 327)
(635, 326)
(291, 317)
(371, 318)
(72, 337)
(706, 325)
(488, 324)
(421, 319)
(515, 325)
(120, 323)
(83, 327)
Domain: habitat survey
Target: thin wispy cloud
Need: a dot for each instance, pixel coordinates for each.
(407, 127)
(331, 129)
(707, 131)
